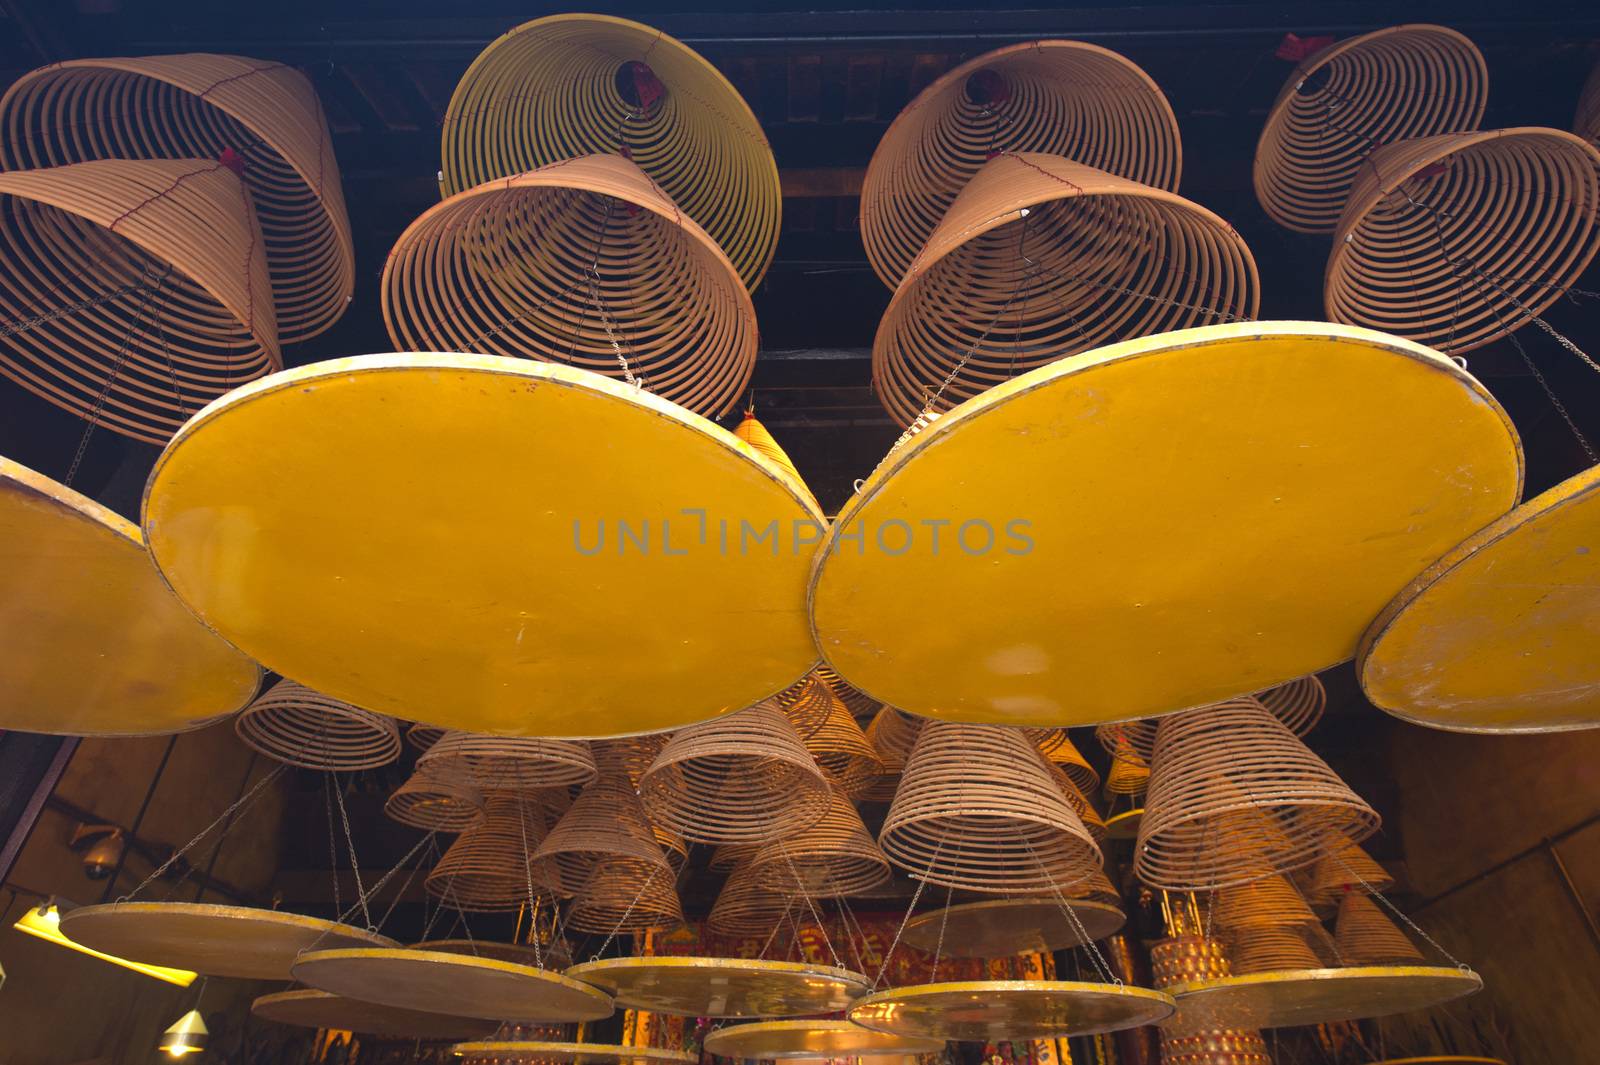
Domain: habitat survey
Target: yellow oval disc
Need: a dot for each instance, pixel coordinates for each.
(1294, 997)
(95, 644)
(488, 544)
(993, 1011)
(1157, 525)
(1500, 634)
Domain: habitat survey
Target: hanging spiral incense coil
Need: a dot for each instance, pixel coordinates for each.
(1270, 949)
(806, 703)
(133, 292)
(624, 895)
(1298, 704)
(742, 778)
(607, 819)
(1233, 771)
(421, 736)
(490, 867)
(729, 856)
(1129, 775)
(1586, 122)
(1342, 102)
(511, 763)
(571, 85)
(1457, 240)
(201, 106)
(296, 726)
(1364, 936)
(857, 702)
(749, 904)
(977, 808)
(892, 734)
(1270, 902)
(752, 432)
(1346, 866)
(1080, 803)
(435, 801)
(1039, 258)
(844, 752)
(1321, 944)
(584, 262)
(1133, 740)
(1059, 750)
(1065, 98)
(836, 856)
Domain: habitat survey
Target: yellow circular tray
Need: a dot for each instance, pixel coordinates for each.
(1158, 524)
(579, 1053)
(1001, 928)
(811, 1039)
(723, 987)
(415, 534)
(1125, 825)
(456, 984)
(318, 1009)
(992, 1011)
(95, 644)
(1441, 1059)
(1499, 634)
(214, 940)
(1297, 997)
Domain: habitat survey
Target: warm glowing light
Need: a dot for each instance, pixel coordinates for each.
(186, 1036)
(44, 921)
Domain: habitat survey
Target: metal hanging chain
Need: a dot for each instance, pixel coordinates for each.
(181, 851)
(944, 919)
(816, 916)
(772, 935)
(627, 912)
(1392, 908)
(333, 842)
(527, 870)
(410, 878)
(166, 354)
(349, 839)
(427, 928)
(1102, 966)
(853, 935)
(24, 325)
(361, 903)
(910, 908)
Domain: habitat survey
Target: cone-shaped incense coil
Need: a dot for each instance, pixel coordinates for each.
(752, 432)
(978, 808)
(511, 763)
(571, 85)
(750, 905)
(607, 819)
(1233, 771)
(730, 856)
(436, 801)
(490, 867)
(626, 895)
(1062, 97)
(1080, 803)
(742, 778)
(892, 734)
(1129, 775)
(421, 736)
(836, 856)
(843, 751)
(1040, 258)
(1135, 740)
(1270, 902)
(1298, 704)
(1457, 240)
(1364, 936)
(140, 288)
(200, 106)
(1214, 1046)
(1322, 944)
(1342, 101)
(1059, 750)
(807, 704)
(857, 702)
(297, 726)
(1269, 950)
(1346, 866)
(1586, 122)
(583, 262)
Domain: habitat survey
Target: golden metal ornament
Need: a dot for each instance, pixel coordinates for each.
(95, 643)
(1342, 101)
(1317, 465)
(576, 1053)
(318, 1009)
(213, 940)
(1040, 258)
(296, 477)
(723, 987)
(572, 85)
(455, 984)
(1319, 996)
(200, 106)
(811, 1039)
(1002, 928)
(1063, 97)
(584, 262)
(991, 1011)
(294, 725)
(1492, 636)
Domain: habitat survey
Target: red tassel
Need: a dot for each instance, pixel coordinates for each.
(1294, 48)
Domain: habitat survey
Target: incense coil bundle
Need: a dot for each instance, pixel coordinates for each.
(1059, 750)
(752, 432)
(1214, 1046)
(606, 820)
(511, 763)
(856, 701)
(1064, 98)
(729, 856)
(294, 725)
(1346, 867)
(421, 736)
(624, 895)
(490, 867)
(1080, 802)
(892, 734)
(1298, 704)
(572, 85)
(1187, 959)
(1129, 775)
(977, 808)
(844, 752)
(1362, 935)
(139, 290)
(1457, 240)
(1133, 740)
(806, 703)
(1343, 101)
(749, 904)
(1321, 944)
(1586, 121)
(436, 802)
(834, 857)
(1039, 258)
(585, 262)
(1234, 772)
(1270, 949)
(1269, 902)
(200, 106)
(742, 778)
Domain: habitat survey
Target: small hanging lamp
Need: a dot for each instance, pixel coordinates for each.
(186, 1036)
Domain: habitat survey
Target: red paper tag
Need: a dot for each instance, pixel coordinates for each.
(233, 161)
(1294, 48)
(646, 86)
